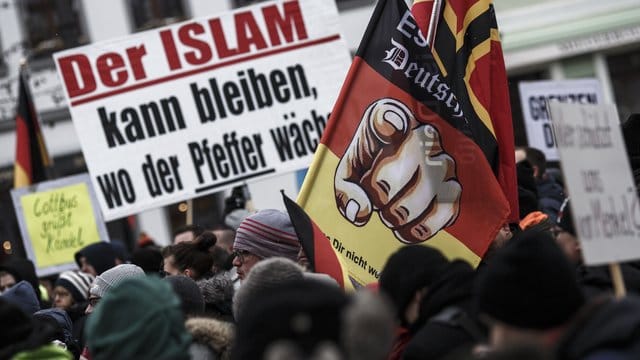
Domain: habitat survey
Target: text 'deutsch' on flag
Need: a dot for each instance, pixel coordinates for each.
(32, 158)
(402, 160)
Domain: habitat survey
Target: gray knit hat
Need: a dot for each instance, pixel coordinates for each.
(266, 234)
(112, 277)
(265, 275)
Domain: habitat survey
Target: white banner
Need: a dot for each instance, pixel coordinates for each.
(604, 202)
(535, 97)
(196, 107)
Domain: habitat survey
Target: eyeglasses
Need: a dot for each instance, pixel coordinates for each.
(94, 301)
(240, 255)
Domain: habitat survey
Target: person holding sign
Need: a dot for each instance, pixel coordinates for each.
(594, 280)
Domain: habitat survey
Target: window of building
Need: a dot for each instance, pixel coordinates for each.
(148, 14)
(207, 211)
(624, 70)
(52, 25)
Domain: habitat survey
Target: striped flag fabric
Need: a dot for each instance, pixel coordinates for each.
(468, 52)
(32, 158)
(405, 159)
(315, 244)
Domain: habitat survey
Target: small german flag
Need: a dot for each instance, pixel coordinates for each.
(32, 158)
(316, 245)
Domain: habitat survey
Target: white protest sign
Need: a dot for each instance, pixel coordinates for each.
(196, 107)
(605, 207)
(535, 97)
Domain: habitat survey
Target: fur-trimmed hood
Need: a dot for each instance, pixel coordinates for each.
(216, 335)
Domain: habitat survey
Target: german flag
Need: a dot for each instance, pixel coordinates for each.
(403, 159)
(32, 158)
(468, 52)
(316, 245)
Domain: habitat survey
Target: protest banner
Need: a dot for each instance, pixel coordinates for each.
(413, 152)
(57, 218)
(595, 165)
(200, 106)
(535, 97)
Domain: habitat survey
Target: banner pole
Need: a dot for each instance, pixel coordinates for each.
(433, 23)
(189, 212)
(618, 281)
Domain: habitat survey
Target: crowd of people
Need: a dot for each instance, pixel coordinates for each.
(242, 290)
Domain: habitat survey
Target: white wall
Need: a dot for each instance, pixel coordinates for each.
(106, 19)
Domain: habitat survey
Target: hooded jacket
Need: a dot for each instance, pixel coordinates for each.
(22, 269)
(64, 326)
(446, 321)
(212, 339)
(550, 197)
(22, 336)
(596, 280)
(604, 329)
(23, 295)
(100, 255)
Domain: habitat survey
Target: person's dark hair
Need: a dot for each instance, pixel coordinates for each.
(536, 158)
(220, 226)
(222, 260)
(194, 255)
(197, 230)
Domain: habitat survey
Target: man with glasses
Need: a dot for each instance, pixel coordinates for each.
(108, 280)
(267, 233)
(104, 283)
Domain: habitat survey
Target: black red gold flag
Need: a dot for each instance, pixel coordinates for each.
(32, 158)
(402, 160)
(468, 51)
(317, 247)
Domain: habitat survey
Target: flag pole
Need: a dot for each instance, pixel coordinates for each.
(433, 22)
(189, 212)
(618, 282)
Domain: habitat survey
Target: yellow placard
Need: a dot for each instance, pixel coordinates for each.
(59, 222)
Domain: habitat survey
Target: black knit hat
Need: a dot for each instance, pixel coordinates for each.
(304, 313)
(100, 255)
(148, 258)
(527, 190)
(16, 324)
(530, 284)
(191, 299)
(408, 270)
